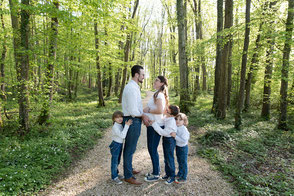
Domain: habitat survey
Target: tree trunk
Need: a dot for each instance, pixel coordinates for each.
(197, 66)
(21, 48)
(77, 79)
(126, 55)
(70, 76)
(109, 81)
(90, 77)
(218, 54)
(229, 90)
(101, 102)
(285, 68)
(265, 113)
(184, 92)
(117, 81)
(49, 73)
(2, 68)
(221, 105)
(238, 118)
(253, 67)
(203, 66)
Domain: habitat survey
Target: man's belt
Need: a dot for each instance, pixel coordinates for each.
(133, 117)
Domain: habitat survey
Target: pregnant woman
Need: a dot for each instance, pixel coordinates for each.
(155, 111)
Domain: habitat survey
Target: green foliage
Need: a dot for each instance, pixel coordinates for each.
(29, 163)
(257, 159)
(213, 138)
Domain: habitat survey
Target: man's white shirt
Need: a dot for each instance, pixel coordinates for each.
(131, 100)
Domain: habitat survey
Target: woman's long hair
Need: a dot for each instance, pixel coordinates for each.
(163, 89)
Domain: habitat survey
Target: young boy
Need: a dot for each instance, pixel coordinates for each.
(182, 137)
(168, 142)
(118, 135)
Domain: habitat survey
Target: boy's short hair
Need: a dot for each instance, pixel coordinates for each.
(117, 114)
(174, 110)
(183, 117)
(136, 69)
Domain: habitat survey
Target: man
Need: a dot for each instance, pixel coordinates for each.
(133, 109)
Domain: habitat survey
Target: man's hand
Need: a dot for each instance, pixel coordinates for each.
(173, 134)
(145, 120)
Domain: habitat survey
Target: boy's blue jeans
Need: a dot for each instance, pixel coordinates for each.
(182, 157)
(131, 144)
(115, 150)
(153, 139)
(169, 144)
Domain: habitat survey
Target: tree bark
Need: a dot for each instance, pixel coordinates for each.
(2, 68)
(184, 92)
(238, 118)
(126, 55)
(109, 81)
(218, 54)
(49, 74)
(101, 102)
(285, 68)
(253, 68)
(21, 48)
(221, 105)
(266, 103)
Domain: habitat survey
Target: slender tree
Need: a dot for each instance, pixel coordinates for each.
(126, 54)
(101, 102)
(238, 118)
(21, 53)
(218, 54)
(266, 103)
(49, 73)
(285, 68)
(221, 105)
(253, 68)
(183, 65)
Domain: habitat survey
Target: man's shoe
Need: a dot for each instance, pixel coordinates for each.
(133, 181)
(136, 172)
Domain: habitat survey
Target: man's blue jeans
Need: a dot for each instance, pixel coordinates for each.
(182, 157)
(169, 144)
(115, 150)
(153, 139)
(130, 145)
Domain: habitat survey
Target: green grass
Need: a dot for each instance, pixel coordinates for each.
(258, 159)
(28, 164)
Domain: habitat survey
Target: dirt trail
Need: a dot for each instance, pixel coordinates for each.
(91, 175)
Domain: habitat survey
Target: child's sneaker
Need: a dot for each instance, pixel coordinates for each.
(165, 177)
(180, 181)
(152, 178)
(169, 181)
(120, 177)
(117, 181)
(148, 174)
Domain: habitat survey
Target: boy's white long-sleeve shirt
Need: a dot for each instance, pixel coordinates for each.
(169, 127)
(182, 136)
(119, 132)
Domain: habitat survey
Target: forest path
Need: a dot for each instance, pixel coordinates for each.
(91, 175)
